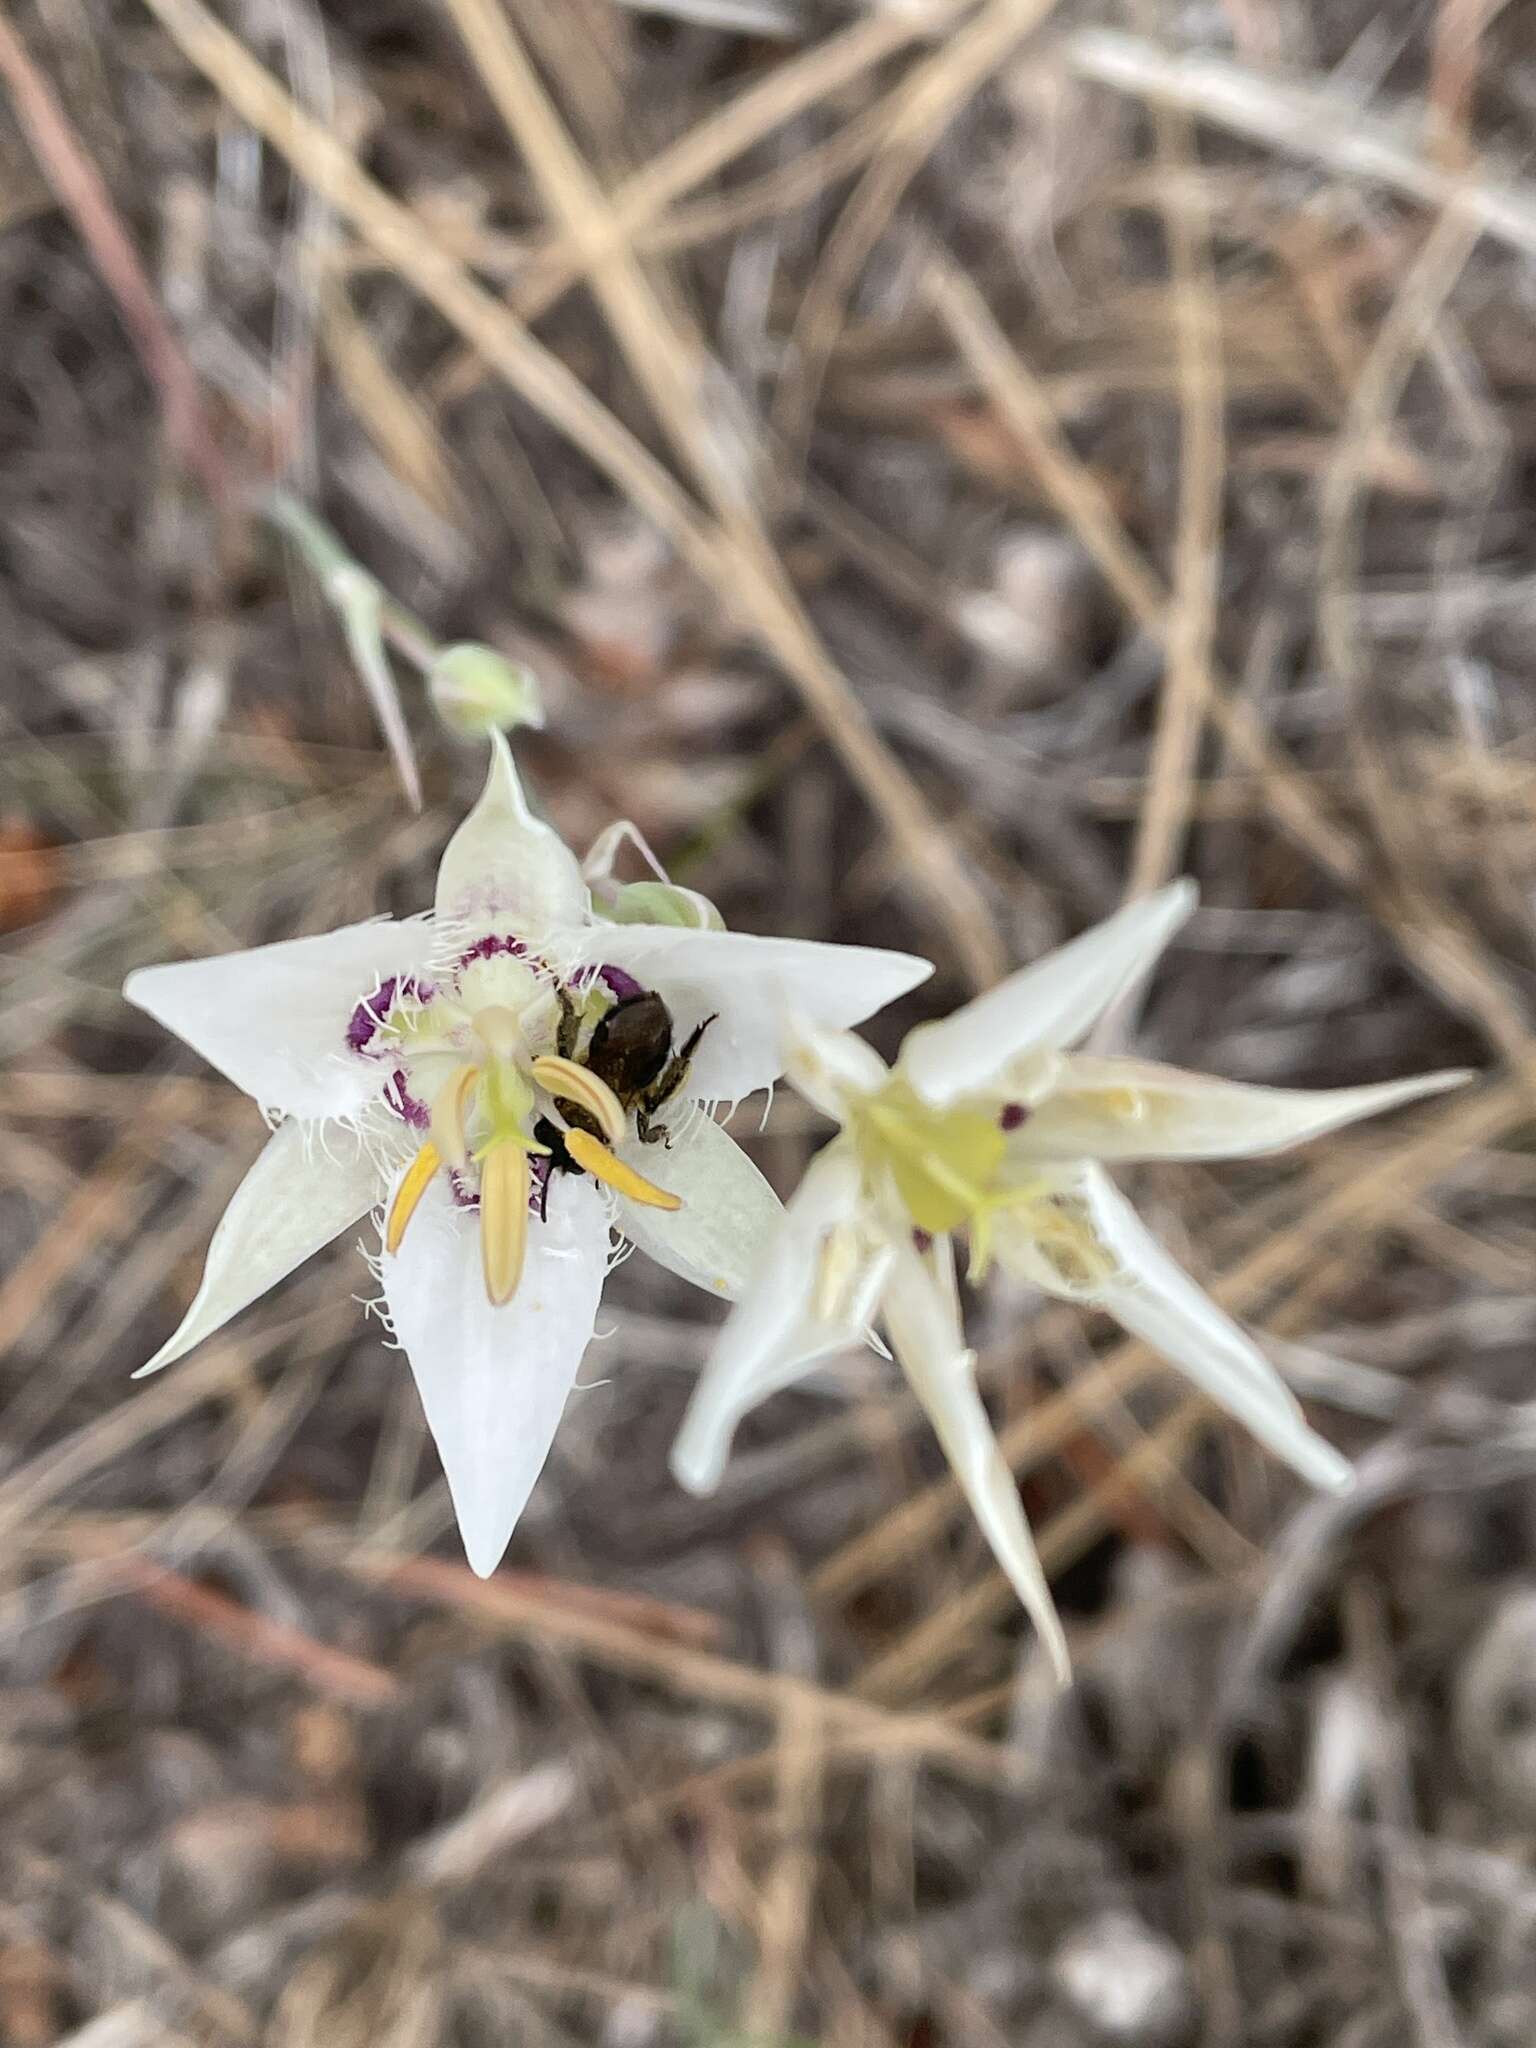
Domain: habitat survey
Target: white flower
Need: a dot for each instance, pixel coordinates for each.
(504, 1073)
(988, 1123)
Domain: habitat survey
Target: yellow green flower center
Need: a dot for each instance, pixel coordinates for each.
(951, 1170)
(945, 1163)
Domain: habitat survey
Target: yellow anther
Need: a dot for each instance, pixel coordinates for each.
(410, 1191)
(592, 1155)
(580, 1085)
(448, 1109)
(505, 1182)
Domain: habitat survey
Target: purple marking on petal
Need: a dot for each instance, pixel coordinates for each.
(622, 986)
(488, 947)
(398, 1098)
(464, 1197)
(922, 1240)
(368, 1018)
(1013, 1114)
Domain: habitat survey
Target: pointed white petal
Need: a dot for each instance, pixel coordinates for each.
(494, 1381)
(729, 1211)
(752, 987)
(1155, 1299)
(274, 1018)
(504, 870)
(308, 1184)
(1046, 1006)
(1135, 1109)
(771, 1334)
(925, 1333)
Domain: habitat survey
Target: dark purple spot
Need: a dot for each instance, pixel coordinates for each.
(369, 1017)
(623, 987)
(465, 1197)
(922, 1240)
(398, 1097)
(487, 949)
(1013, 1114)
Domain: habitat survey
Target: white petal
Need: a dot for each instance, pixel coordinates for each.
(729, 1211)
(1046, 1006)
(1159, 1302)
(753, 987)
(503, 870)
(1136, 1109)
(494, 1381)
(307, 1185)
(827, 1067)
(927, 1339)
(771, 1334)
(274, 1018)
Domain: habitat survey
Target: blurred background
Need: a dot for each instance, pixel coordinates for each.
(948, 464)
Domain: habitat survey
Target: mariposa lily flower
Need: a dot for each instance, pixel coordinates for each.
(515, 1079)
(990, 1124)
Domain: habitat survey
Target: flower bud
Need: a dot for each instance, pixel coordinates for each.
(665, 903)
(475, 690)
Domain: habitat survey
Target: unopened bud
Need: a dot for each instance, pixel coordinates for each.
(665, 903)
(475, 690)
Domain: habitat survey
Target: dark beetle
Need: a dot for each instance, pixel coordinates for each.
(631, 1050)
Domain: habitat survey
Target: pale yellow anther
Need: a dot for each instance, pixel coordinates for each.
(580, 1085)
(410, 1191)
(594, 1157)
(505, 1185)
(1127, 1105)
(448, 1111)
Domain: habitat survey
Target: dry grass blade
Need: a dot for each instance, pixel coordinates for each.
(1324, 125)
(83, 192)
(1196, 570)
(819, 73)
(1460, 966)
(1466, 979)
(693, 1673)
(927, 102)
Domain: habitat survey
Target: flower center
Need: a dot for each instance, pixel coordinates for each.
(950, 1169)
(944, 1162)
(487, 1064)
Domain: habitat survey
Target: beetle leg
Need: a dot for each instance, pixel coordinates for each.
(673, 1074)
(651, 1133)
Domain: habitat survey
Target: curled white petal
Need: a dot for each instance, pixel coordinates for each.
(506, 870)
(827, 1067)
(729, 1211)
(494, 1381)
(925, 1334)
(1046, 1006)
(273, 1019)
(305, 1187)
(772, 1334)
(1136, 1109)
(752, 987)
(1155, 1299)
